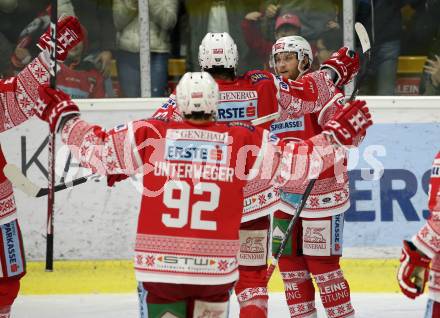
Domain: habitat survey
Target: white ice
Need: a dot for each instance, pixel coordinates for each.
(125, 306)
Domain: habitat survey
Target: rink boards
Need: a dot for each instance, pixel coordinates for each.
(94, 222)
(101, 277)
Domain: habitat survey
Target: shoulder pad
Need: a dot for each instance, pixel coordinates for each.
(170, 102)
(241, 124)
(160, 118)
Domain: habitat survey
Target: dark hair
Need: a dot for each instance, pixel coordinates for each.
(332, 39)
(198, 116)
(221, 72)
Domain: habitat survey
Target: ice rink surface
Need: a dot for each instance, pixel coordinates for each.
(125, 306)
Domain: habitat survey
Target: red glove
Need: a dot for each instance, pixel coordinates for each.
(350, 124)
(69, 34)
(413, 271)
(113, 178)
(345, 63)
(55, 107)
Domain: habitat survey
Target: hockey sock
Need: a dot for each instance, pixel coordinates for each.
(5, 311)
(333, 288)
(432, 309)
(298, 287)
(251, 291)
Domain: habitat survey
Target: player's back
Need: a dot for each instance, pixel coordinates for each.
(192, 202)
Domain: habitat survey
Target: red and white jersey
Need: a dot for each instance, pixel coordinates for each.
(427, 239)
(80, 83)
(18, 97)
(257, 94)
(193, 180)
(330, 194)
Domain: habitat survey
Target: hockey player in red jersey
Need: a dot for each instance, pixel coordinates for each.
(188, 228)
(315, 246)
(423, 250)
(18, 98)
(245, 98)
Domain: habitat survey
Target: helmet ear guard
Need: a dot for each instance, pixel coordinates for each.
(218, 49)
(197, 92)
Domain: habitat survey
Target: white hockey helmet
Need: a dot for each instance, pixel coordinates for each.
(218, 49)
(292, 43)
(197, 92)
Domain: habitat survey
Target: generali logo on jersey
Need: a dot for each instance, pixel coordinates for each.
(253, 247)
(314, 238)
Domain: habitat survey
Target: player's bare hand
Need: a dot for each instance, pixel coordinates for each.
(432, 67)
(253, 16)
(272, 10)
(333, 25)
(105, 61)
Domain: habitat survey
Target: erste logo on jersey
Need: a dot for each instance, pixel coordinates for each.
(296, 124)
(196, 146)
(237, 105)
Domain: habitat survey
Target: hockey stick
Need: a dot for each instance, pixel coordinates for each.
(265, 119)
(51, 145)
(20, 181)
(366, 49)
(289, 229)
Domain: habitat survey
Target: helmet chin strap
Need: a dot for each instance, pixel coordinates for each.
(301, 69)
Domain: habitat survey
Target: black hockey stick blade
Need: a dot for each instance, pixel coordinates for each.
(20, 181)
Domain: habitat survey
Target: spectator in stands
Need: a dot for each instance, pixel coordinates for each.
(328, 42)
(218, 16)
(163, 18)
(6, 6)
(315, 15)
(285, 25)
(16, 14)
(432, 68)
(96, 16)
(77, 77)
(385, 35)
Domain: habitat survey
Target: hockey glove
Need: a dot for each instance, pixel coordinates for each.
(413, 271)
(350, 124)
(69, 34)
(55, 107)
(345, 63)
